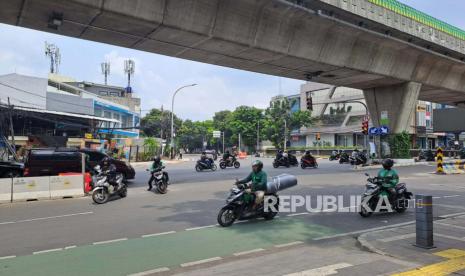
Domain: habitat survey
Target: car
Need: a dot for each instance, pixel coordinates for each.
(11, 169)
(121, 166)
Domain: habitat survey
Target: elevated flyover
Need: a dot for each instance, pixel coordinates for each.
(364, 44)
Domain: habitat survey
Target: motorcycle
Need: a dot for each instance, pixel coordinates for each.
(305, 163)
(291, 160)
(426, 155)
(201, 165)
(359, 159)
(160, 180)
(334, 156)
(344, 158)
(103, 190)
(229, 163)
(373, 193)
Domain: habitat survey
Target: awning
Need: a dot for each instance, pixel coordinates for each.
(43, 111)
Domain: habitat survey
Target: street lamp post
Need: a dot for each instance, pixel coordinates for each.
(172, 117)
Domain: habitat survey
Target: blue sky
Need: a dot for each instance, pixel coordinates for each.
(156, 77)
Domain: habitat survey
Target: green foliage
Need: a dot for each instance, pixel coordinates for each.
(151, 147)
(157, 123)
(245, 120)
(400, 145)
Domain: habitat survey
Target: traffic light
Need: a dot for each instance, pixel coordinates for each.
(309, 103)
(317, 136)
(365, 127)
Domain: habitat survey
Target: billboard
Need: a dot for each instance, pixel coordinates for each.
(449, 120)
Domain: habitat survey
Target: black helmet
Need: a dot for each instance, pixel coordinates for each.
(156, 158)
(227, 151)
(258, 164)
(204, 152)
(307, 152)
(387, 164)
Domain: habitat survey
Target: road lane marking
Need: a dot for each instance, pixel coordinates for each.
(450, 225)
(449, 237)
(201, 261)
(436, 197)
(44, 218)
(158, 234)
(288, 244)
(450, 196)
(150, 272)
(201, 227)
(70, 247)
(47, 251)
(297, 214)
(452, 215)
(321, 271)
(110, 241)
(364, 231)
(455, 262)
(7, 257)
(249, 252)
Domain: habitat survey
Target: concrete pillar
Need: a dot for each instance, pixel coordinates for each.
(397, 101)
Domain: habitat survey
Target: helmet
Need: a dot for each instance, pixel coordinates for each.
(307, 152)
(156, 159)
(227, 151)
(106, 161)
(387, 164)
(204, 152)
(258, 164)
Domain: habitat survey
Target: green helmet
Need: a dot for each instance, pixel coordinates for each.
(258, 164)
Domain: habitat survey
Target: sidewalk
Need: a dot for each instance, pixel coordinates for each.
(447, 257)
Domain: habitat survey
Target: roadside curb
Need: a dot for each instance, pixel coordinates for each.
(361, 168)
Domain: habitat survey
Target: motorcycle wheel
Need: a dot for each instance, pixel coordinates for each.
(237, 165)
(302, 165)
(100, 196)
(214, 167)
(226, 216)
(401, 209)
(123, 192)
(316, 165)
(222, 165)
(287, 165)
(162, 187)
(364, 212)
(271, 215)
(275, 165)
(198, 168)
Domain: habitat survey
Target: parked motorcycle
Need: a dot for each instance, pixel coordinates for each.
(103, 190)
(240, 203)
(426, 155)
(359, 159)
(201, 165)
(229, 163)
(308, 163)
(160, 180)
(372, 195)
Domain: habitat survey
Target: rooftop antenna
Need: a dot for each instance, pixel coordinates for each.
(105, 70)
(129, 66)
(53, 52)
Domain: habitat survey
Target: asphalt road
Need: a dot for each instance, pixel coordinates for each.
(166, 225)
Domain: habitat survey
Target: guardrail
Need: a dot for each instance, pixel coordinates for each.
(43, 187)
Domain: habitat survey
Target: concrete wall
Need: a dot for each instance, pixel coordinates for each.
(23, 90)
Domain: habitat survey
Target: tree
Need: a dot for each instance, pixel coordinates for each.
(192, 134)
(245, 120)
(157, 123)
(278, 115)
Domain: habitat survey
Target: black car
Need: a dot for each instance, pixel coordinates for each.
(11, 169)
(122, 167)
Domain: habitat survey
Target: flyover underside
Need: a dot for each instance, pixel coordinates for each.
(265, 36)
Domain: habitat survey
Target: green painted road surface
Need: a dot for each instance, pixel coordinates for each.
(171, 250)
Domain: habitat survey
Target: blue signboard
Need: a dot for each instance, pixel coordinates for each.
(384, 130)
(373, 131)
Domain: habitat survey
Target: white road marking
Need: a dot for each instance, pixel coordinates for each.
(249, 252)
(201, 227)
(363, 231)
(297, 214)
(70, 247)
(436, 197)
(149, 272)
(452, 215)
(397, 238)
(288, 244)
(110, 241)
(158, 234)
(322, 271)
(450, 196)
(449, 237)
(201, 261)
(450, 225)
(46, 251)
(44, 218)
(7, 257)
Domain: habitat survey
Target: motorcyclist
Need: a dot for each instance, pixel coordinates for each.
(258, 179)
(227, 157)
(308, 156)
(156, 166)
(109, 168)
(204, 159)
(389, 178)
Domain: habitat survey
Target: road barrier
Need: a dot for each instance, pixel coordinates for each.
(424, 221)
(454, 167)
(43, 187)
(439, 161)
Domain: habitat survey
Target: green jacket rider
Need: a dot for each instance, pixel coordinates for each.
(258, 179)
(389, 177)
(157, 165)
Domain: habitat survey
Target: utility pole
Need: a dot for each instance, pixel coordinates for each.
(258, 135)
(105, 70)
(285, 134)
(223, 141)
(12, 131)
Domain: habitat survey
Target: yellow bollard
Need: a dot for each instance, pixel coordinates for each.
(439, 161)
